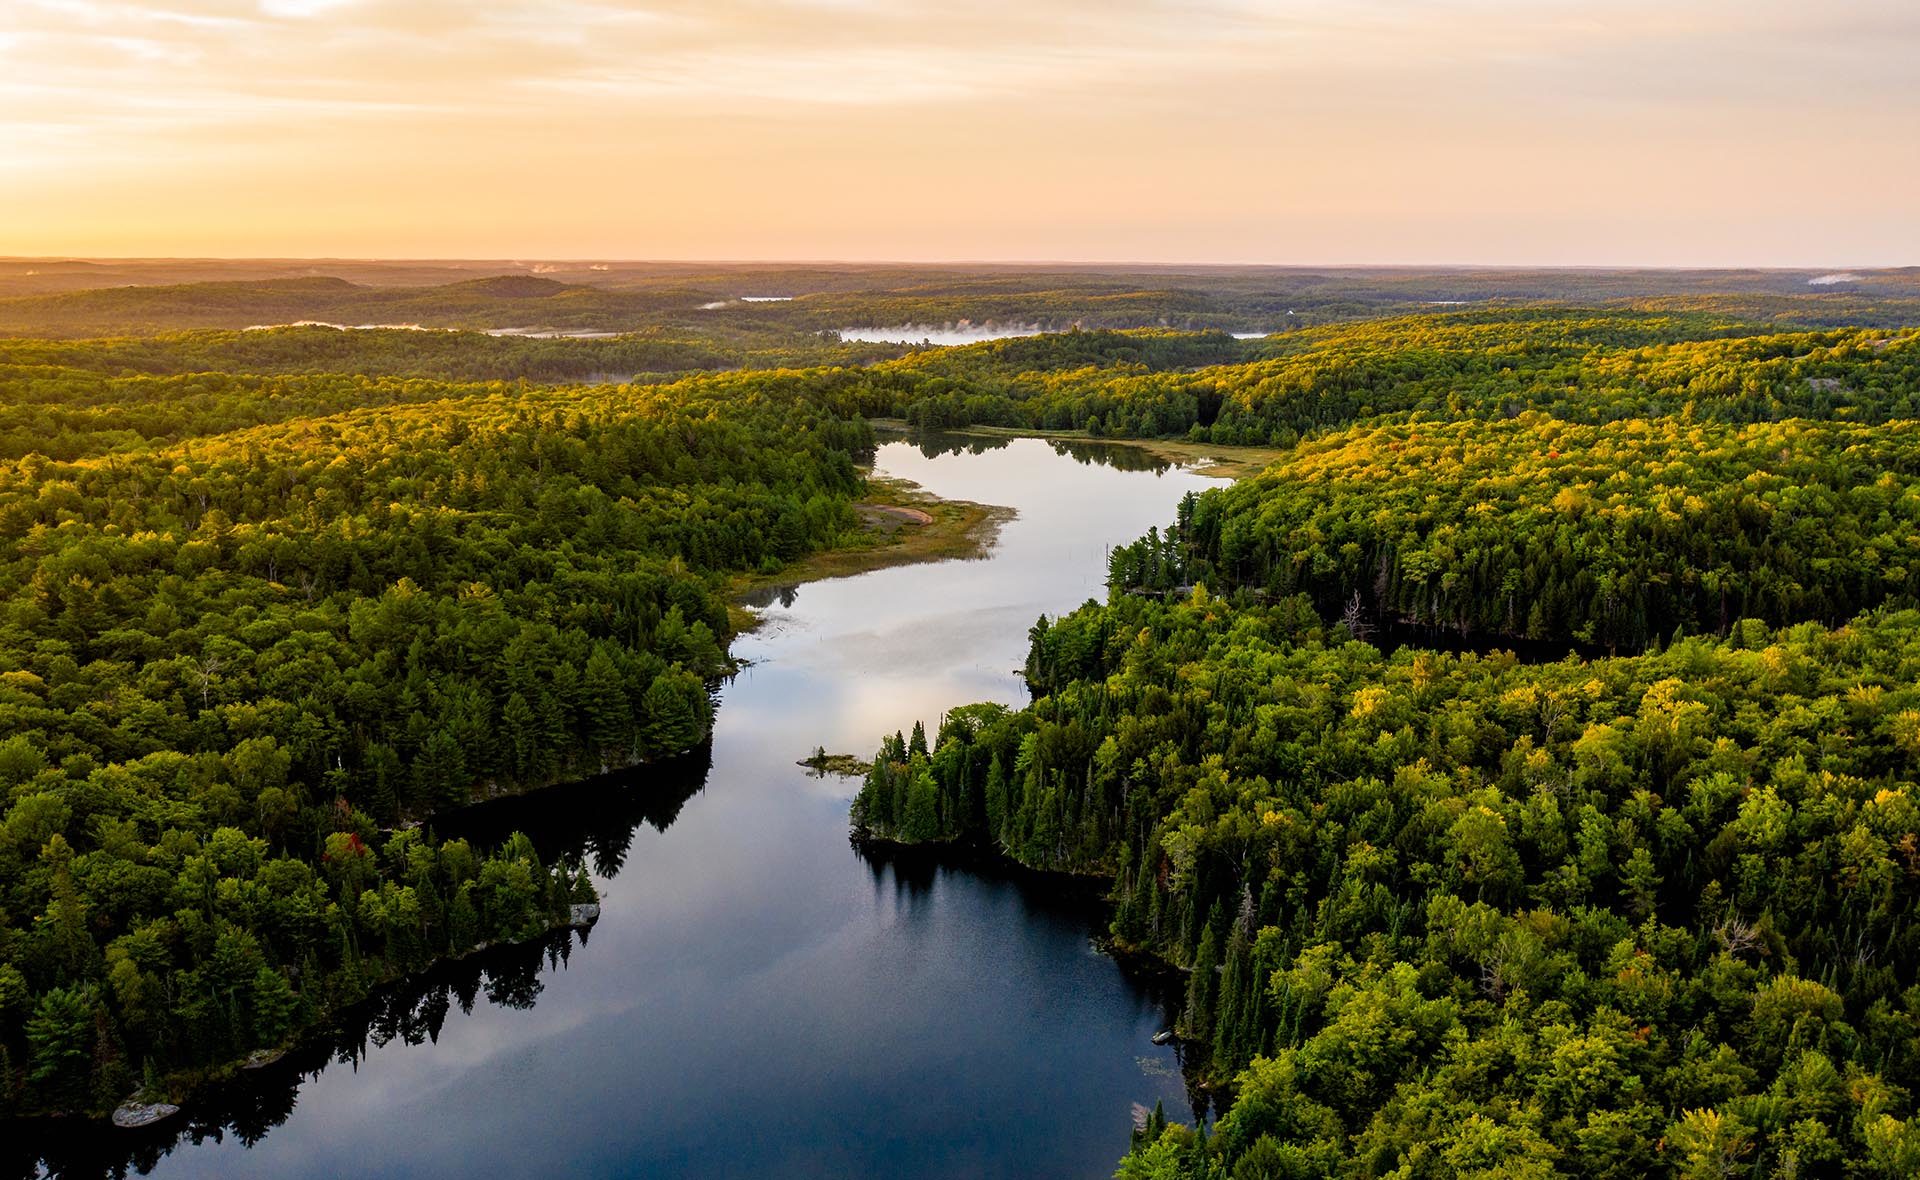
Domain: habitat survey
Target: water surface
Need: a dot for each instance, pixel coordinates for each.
(964, 332)
(758, 999)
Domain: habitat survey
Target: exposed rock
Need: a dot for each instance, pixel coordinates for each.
(261, 1058)
(585, 913)
(131, 1114)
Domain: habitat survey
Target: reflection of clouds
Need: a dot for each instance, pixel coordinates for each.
(746, 954)
(857, 657)
(900, 649)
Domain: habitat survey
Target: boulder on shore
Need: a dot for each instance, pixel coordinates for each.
(131, 1114)
(584, 913)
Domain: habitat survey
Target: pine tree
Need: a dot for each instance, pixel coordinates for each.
(440, 772)
(1232, 1031)
(59, 1045)
(996, 800)
(921, 821)
(273, 1006)
(605, 710)
(463, 922)
(520, 731)
(675, 708)
(1203, 988)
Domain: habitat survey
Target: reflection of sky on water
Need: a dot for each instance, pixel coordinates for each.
(756, 1000)
(940, 334)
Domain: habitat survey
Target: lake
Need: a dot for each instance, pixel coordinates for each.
(943, 334)
(758, 998)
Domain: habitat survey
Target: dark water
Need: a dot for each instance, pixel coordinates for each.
(758, 999)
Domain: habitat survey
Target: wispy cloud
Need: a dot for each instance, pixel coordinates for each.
(1271, 106)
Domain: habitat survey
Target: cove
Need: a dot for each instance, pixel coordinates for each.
(758, 999)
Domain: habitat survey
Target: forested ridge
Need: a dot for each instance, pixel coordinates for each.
(1456, 914)
(448, 355)
(52, 297)
(1542, 529)
(253, 628)
(1588, 367)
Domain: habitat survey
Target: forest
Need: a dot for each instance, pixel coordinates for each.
(1518, 768)
(1541, 529)
(1593, 367)
(259, 629)
(1616, 881)
(1461, 915)
(81, 298)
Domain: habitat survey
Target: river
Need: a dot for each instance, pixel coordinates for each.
(758, 998)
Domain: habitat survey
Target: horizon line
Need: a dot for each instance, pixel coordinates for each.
(588, 261)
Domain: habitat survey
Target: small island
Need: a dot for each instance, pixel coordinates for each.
(842, 765)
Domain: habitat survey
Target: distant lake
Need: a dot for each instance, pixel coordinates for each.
(553, 333)
(347, 327)
(529, 333)
(948, 334)
(759, 999)
(717, 304)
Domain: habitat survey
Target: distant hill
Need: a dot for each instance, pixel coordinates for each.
(495, 302)
(72, 297)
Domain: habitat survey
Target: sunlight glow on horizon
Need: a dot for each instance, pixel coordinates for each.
(1690, 132)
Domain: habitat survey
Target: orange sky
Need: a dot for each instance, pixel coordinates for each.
(1682, 132)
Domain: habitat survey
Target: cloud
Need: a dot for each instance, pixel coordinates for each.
(1131, 115)
(302, 9)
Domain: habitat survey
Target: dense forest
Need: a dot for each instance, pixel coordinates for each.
(448, 354)
(1459, 915)
(1451, 913)
(272, 601)
(255, 628)
(1542, 529)
(1594, 368)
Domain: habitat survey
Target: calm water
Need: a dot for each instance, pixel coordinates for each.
(961, 333)
(758, 999)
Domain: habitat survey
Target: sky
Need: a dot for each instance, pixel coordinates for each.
(1519, 132)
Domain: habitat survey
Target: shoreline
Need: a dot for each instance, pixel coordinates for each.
(184, 1090)
(1093, 888)
(902, 524)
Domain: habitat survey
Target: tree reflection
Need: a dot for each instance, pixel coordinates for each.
(595, 820)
